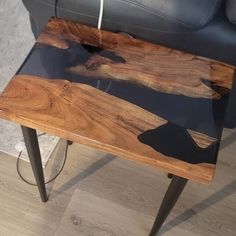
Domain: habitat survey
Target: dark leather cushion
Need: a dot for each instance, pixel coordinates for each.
(162, 15)
(40, 11)
(231, 10)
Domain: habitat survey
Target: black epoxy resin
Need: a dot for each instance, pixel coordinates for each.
(182, 112)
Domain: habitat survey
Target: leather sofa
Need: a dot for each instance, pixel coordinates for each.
(203, 27)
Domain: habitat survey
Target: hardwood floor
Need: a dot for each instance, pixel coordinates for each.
(98, 194)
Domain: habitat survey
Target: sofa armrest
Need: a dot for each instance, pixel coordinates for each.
(231, 10)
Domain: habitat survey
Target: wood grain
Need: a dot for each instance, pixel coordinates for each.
(159, 68)
(202, 140)
(52, 40)
(86, 115)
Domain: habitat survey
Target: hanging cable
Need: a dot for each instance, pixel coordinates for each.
(55, 8)
(100, 18)
(100, 14)
(50, 180)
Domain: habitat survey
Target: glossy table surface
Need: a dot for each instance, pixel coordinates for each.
(134, 99)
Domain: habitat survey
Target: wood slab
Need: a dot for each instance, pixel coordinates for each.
(160, 68)
(131, 98)
(86, 115)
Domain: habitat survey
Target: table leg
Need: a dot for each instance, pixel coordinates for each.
(173, 193)
(32, 146)
(230, 117)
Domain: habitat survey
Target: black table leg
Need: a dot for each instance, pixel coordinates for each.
(172, 195)
(230, 117)
(32, 146)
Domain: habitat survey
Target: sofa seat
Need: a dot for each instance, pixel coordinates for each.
(162, 15)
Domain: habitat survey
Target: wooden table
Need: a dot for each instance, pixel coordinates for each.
(140, 101)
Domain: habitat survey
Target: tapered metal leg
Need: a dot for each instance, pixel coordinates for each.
(32, 146)
(69, 142)
(173, 193)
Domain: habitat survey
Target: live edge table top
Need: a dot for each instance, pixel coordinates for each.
(131, 98)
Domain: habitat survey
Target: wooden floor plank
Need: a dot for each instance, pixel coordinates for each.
(97, 216)
(134, 191)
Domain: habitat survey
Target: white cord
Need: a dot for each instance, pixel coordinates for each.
(99, 27)
(100, 14)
